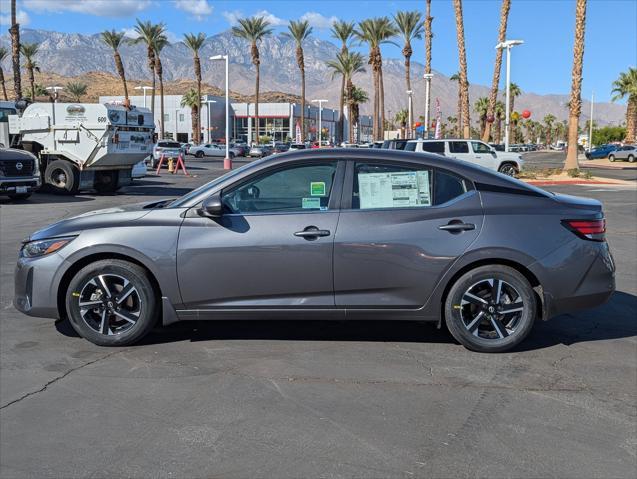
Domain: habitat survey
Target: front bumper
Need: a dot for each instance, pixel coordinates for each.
(27, 184)
(36, 284)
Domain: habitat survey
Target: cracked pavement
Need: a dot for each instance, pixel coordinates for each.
(313, 398)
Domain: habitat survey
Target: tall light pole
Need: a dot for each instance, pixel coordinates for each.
(508, 44)
(227, 161)
(144, 88)
(410, 112)
(590, 124)
(427, 77)
(55, 90)
(320, 104)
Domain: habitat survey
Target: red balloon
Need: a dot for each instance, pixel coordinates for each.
(526, 114)
(490, 118)
(417, 124)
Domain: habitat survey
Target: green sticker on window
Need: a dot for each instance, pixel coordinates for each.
(311, 203)
(317, 188)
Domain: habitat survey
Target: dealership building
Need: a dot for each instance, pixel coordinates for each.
(276, 120)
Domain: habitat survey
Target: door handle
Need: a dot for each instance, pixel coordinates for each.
(312, 232)
(457, 227)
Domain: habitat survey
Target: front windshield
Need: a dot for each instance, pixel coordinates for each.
(183, 200)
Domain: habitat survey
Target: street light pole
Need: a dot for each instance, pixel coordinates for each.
(144, 88)
(227, 161)
(590, 124)
(410, 113)
(508, 44)
(55, 90)
(204, 99)
(320, 104)
(427, 77)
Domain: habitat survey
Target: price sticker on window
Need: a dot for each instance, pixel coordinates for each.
(317, 188)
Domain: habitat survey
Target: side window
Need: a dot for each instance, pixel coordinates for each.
(434, 147)
(479, 147)
(295, 188)
(390, 186)
(458, 147)
(411, 146)
(447, 187)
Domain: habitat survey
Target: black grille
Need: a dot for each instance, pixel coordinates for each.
(10, 167)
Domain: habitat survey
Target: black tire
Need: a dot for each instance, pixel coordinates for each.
(631, 159)
(611, 158)
(62, 177)
(20, 196)
(479, 327)
(508, 169)
(142, 303)
(199, 154)
(106, 182)
(231, 155)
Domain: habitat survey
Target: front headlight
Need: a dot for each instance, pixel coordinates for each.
(33, 249)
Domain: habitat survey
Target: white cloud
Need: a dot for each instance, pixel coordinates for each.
(22, 17)
(233, 17)
(319, 21)
(199, 9)
(100, 8)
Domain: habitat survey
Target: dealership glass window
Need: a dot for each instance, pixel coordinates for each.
(181, 117)
(292, 189)
(458, 147)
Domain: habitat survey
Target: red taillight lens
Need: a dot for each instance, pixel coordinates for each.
(593, 230)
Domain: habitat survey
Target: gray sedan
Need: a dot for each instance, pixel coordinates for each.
(331, 234)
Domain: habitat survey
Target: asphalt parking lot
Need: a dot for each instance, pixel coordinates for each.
(316, 399)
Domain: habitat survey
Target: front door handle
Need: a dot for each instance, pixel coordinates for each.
(312, 232)
(457, 226)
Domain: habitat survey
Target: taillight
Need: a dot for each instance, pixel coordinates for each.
(593, 230)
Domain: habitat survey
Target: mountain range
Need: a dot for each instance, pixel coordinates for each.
(74, 55)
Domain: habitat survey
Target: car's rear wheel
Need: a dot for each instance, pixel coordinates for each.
(112, 303)
(199, 154)
(508, 169)
(631, 158)
(611, 157)
(490, 309)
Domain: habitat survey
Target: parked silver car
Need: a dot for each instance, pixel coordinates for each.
(329, 233)
(624, 153)
(167, 149)
(259, 151)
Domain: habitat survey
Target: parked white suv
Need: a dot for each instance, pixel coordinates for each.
(472, 151)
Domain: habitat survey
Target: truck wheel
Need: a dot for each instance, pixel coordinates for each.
(508, 169)
(62, 177)
(106, 181)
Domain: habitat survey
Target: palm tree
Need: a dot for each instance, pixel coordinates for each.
(192, 100)
(195, 42)
(499, 116)
(347, 65)
(357, 97)
(29, 51)
(343, 31)
(299, 31)
(115, 40)
(254, 30)
(462, 58)
(41, 91)
(402, 118)
(514, 91)
(481, 107)
(4, 53)
(548, 121)
(158, 44)
(456, 77)
(77, 90)
(15, 52)
(375, 32)
(576, 86)
(409, 25)
(626, 86)
(497, 67)
(148, 32)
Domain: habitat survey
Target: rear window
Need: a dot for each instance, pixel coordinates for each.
(458, 147)
(434, 147)
(169, 144)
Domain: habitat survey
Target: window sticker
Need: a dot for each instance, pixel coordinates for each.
(317, 188)
(398, 189)
(311, 203)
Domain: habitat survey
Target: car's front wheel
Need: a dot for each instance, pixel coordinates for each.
(199, 154)
(112, 303)
(508, 169)
(490, 309)
(631, 159)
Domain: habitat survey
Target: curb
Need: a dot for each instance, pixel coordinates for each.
(569, 182)
(608, 167)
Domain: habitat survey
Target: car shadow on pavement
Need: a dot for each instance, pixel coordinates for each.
(614, 320)
(46, 198)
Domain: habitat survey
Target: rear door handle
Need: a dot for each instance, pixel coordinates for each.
(457, 227)
(312, 232)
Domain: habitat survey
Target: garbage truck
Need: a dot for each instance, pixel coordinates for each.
(81, 146)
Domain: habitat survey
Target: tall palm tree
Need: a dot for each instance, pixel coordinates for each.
(499, 116)
(15, 52)
(497, 67)
(115, 40)
(4, 53)
(402, 118)
(346, 65)
(514, 92)
(357, 97)
(299, 31)
(192, 100)
(254, 30)
(462, 60)
(375, 32)
(548, 121)
(195, 42)
(77, 90)
(148, 32)
(456, 77)
(626, 86)
(481, 106)
(576, 86)
(342, 31)
(29, 51)
(410, 27)
(158, 44)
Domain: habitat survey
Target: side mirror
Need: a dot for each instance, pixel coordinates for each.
(212, 206)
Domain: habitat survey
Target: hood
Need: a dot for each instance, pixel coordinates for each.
(104, 218)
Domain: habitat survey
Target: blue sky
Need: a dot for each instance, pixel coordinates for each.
(542, 65)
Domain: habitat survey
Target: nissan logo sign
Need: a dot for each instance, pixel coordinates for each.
(18, 166)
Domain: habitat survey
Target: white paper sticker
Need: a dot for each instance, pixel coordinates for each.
(399, 189)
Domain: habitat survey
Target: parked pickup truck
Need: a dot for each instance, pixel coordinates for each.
(19, 173)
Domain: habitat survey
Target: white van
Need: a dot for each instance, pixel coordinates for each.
(472, 151)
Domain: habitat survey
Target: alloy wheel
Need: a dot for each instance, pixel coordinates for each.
(491, 309)
(509, 170)
(109, 304)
